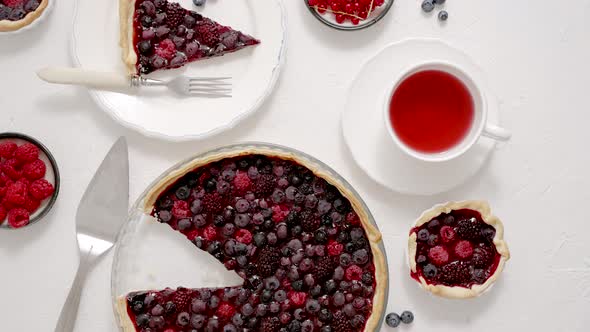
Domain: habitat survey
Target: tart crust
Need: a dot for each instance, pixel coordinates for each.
(373, 234)
(126, 10)
(456, 292)
(6, 25)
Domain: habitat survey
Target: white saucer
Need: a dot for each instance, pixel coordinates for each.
(365, 133)
(163, 114)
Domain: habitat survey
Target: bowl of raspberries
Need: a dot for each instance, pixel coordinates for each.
(29, 180)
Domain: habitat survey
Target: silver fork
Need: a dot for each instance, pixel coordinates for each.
(215, 87)
(208, 87)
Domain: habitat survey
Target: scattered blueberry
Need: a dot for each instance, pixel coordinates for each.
(427, 6)
(393, 320)
(407, 317)
(199, 2)
(443, 15)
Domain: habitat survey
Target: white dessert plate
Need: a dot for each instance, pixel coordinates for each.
(163, 114)
(366, 136)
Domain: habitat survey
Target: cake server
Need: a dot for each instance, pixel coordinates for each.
(209, 87)
(102, 211)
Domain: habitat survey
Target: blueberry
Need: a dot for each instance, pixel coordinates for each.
(433, 240)
(199, 221)
(142, 320)
(252, 322)
(430, 271)
(242, 205)
(407, 317)
(237, 319)
(218, 221)
(266, 296)
(360, 257)
(423, 235)
(196, 206)
(146, 21)
(170, 307)
(449, 220)
(184, 224)
(137, 307)
(280, 295)
(164, 216)
(242, 220)
(297, 285)
(199, 2)
(320, 236)
(427, 6)
(261, 309)
(367, 278)
(183, 319)
(433, 224)
(31, 5)
(421, 259)
(443, 15)
(357, 321)
(330, 286)
(393, 320)
(210, 185)
(158, 62)
(488, 233)
(230, 328)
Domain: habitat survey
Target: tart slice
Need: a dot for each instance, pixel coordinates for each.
(300, 239)
(16, 14)
(158, 34)
(457, 250)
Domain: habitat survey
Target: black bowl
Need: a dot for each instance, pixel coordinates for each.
(43, 210)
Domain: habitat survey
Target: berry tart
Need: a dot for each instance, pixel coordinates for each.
(158, 34)
(300, 238)
(457, 250)
(17, 14)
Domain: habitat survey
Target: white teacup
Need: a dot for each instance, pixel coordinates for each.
(479, 126)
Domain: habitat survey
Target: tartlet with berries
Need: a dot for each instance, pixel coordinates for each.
(457, 249)
(17, 14)
(299, 237)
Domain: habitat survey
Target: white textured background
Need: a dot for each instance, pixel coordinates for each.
(536, 58)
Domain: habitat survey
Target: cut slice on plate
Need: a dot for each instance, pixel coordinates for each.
(158, 34)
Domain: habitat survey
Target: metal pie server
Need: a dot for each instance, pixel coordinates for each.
(102, 211)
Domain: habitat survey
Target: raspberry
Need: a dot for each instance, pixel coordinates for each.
(13, 169)
(4, 188)
(181, 299)
(265, 185)
(279, 213)
(208, 31)
(270, 324)
(335, 248)
(34, 170)
(210, 233)
(3, 214)
(174, 14)
(13, 3)
(324, 268)
(7, 149)
(447, 234)
(3, 179)
(212, 203)
(438, 255)
(31, 204)
(26, 152)
(354, 272)
(244, 236)
(298, 298)
(455, 273)
(18, 218)
(340, 322)
(8, 205)
(191, 235)
(463, 249)
(242, 182)
(225, 311)
(166, 49)
(268, 261)
(180, 209)
(16, 193)
(468, 229)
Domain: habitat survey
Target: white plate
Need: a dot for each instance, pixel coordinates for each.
(365, 133)
(95, 45)
(36, 22)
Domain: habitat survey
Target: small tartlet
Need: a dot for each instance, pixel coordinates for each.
(477, 215)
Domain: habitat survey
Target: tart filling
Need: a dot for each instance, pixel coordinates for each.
(158, 34)
(299, 238)
(457, 250)
(16, 14)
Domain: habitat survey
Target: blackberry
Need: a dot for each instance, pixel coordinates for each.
(455, 273)
(340, 323)
(265, 185)
(174, 14)
(271, 324)
(292, 218)
(268, 261)
(310, 223)
(324, 268)
(482, 256)
(468, 229)
(306, 189)
(212, 203)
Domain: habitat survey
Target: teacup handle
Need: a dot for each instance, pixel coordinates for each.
(497, 133)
